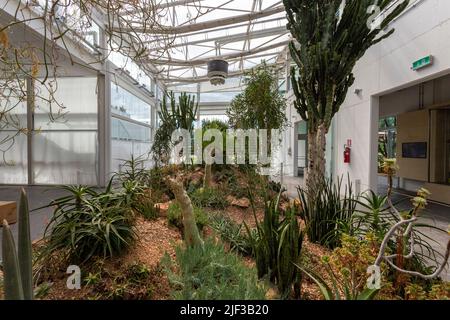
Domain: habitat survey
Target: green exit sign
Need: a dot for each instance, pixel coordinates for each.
(422, 63)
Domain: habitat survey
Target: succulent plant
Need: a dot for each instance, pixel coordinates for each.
(17, 265)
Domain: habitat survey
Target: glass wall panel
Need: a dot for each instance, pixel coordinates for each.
(66, 151)
(130, 126)
(65, 157)
(13, 158)
(78, 98)
(14, 109)
(127, 105)
(122, 150)
(128, 131)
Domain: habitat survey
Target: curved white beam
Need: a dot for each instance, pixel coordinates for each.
(206, 25)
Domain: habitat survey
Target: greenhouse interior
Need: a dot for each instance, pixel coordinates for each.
(214, 150)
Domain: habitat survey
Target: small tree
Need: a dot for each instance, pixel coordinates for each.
(331, 36)
(261, 105)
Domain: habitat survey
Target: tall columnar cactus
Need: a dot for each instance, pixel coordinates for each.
(330, 37)
(17, 266)
(181, 115)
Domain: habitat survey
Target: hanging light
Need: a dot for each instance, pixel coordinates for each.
(217, 71)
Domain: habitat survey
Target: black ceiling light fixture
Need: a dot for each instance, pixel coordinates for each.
(217, 71)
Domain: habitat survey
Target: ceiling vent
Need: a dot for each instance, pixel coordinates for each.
(217, 71)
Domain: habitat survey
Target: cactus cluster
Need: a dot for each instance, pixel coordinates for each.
(17, 264)
(181, 115)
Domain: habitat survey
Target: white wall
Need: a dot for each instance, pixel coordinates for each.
(386, 67)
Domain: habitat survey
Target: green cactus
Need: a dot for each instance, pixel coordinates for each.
(177, 116)
(12, 280)
(25, 250)
(329, 38)
(18, 266)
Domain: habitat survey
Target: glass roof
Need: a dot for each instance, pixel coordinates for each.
(242, 32)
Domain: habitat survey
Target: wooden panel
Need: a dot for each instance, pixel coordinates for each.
(439, 192)
(8, 212)
(412, 127)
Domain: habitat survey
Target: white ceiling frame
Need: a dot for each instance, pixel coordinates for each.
(210, 24)
(233, 38)
(225, 57)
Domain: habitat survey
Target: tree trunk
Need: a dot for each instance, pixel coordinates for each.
(207, 180)
(316, 157)
(191, 234)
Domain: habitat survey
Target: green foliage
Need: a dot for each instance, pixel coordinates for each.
(17, 265)
(232, 233)
(374, 216)
(138, 272)
(439, 291)
(215, 125)
(181, 115)
(277, 245)
(346, 269)
(42, 290)
(261, 105)
(146, 207)
(327, 211)
(133, 170)
(93, 279)
(175, 217)
(210, 273)
(86, 223)
(209, 198)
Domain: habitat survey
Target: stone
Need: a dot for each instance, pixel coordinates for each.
(241, 203)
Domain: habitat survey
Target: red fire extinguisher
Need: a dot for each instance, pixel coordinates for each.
(347, 154)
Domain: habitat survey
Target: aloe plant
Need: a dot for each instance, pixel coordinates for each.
(17, 265)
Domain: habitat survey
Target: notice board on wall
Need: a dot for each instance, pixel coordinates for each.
(415, 150)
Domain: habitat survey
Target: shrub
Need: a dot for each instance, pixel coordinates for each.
(326, 210)
(346, 270)
(209, 198)
(147, 209)
(87, 224)
(233, 234)
(277, 245)
(210, 273)
(175, 217)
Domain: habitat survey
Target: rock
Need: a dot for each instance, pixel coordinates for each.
(163, 208)
(241, 203)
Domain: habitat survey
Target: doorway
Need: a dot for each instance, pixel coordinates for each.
(302, 148)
